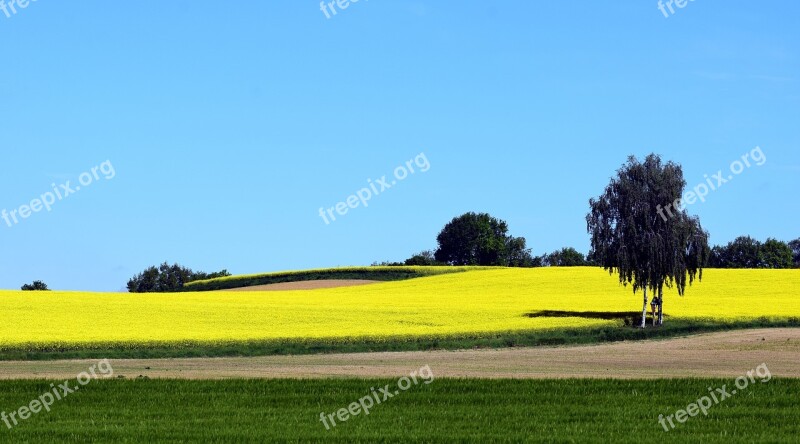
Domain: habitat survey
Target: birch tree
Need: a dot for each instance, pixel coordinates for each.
(640, 231)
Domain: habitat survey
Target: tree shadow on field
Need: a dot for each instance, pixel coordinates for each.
(629, 318)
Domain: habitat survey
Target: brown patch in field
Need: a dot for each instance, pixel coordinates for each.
(306, 285)
(723, 355)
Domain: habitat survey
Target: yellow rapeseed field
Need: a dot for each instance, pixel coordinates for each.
(453, 304)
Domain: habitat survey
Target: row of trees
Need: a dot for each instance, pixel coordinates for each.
(480, 239)
(746, 252)
(168, 278)
(566, 257)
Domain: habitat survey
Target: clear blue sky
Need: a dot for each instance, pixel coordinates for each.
(229, 124)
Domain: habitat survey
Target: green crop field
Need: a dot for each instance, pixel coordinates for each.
(446, 410)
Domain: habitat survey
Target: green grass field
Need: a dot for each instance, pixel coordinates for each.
(116, 411)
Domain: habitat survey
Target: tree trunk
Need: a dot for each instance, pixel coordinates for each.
(655, 315)
(660, 307)
(644, 310)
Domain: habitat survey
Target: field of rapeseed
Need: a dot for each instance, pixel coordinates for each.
(473, 302)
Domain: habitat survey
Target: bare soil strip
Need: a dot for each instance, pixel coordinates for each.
(306, 285)
(723, 355)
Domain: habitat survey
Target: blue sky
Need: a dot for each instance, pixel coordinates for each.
(228, 125)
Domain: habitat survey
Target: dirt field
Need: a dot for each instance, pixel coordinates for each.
(728, 354)
(305, 285)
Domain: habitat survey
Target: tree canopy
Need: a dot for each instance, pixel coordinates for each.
(35, 286)
(480, 239)
(426, 257)
(565, 257)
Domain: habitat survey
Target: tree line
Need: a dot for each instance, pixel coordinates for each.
(483, 240)
(746, 252)
(168, 278)
(479, 239)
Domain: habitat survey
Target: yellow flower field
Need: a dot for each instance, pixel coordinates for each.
(453, 304)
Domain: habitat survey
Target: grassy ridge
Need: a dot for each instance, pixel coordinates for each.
(364, 273)
(155, 411)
